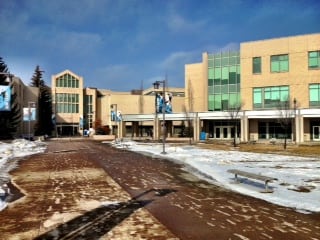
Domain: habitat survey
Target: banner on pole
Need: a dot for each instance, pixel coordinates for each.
(5, 98)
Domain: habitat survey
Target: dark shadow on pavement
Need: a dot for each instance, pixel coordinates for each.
(96, 223)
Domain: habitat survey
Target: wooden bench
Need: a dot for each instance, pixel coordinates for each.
(265, 179)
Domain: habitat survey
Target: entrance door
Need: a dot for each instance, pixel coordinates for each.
(316, 133)
(222, 132)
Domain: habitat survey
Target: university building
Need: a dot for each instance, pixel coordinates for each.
(269, 89)
(271, 80)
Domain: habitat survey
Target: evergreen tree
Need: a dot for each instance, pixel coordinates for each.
(44, 114)
(9, 120)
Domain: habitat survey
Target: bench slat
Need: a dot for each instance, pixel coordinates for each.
(252, 175)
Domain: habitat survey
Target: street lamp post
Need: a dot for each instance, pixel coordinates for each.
(115, 106)
(30, 105)
(294, 121)
(156, 85)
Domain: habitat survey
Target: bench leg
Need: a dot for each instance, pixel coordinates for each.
(236, 180)
(267, 190)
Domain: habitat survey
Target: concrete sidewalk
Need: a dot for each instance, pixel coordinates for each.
(68, 196)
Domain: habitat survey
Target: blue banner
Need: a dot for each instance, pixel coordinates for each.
(165, 103)
(29, 114)
(5, 98)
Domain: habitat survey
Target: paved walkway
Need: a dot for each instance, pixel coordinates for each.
(89, 190)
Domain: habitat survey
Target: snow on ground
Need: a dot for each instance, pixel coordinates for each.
(9, 154)
(297, 187)
(294, 174)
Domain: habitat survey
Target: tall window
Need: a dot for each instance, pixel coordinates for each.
(280, 63)
(270, 97)
(314, 60)
(314, 95)
(256, 65)
(67, 81)
(67, 103)
(223, 80)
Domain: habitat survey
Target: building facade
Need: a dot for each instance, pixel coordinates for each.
(271, 88)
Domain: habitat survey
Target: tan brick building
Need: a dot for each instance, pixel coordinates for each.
(273, 81)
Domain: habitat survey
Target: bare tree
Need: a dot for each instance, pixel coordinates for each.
(234, 111)
(286, 114)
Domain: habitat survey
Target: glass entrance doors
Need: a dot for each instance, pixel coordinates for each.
(316, 133)
(224, 132)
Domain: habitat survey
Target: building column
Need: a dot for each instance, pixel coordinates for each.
(299, 128)
(244, 126)
(120, 128)
(135, 129)
(196, 127)
(156, 123)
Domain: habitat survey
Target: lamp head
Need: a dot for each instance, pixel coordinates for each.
(156, 85)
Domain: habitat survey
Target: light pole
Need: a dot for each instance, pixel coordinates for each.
(294, 121)
(156, 85)
(30, 105)
(114, 117)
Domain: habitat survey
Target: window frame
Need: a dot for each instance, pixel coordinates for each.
(277, 63)
(256, 66)
(317, 58)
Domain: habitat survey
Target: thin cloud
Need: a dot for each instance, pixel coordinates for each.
(176, 23)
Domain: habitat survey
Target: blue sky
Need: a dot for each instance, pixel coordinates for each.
(128, 44)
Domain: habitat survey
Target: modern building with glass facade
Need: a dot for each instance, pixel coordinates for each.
(273, 81)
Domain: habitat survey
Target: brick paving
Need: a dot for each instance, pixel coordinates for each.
(89, 190)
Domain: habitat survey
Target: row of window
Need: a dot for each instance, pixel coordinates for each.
(220, 102)
(280, 63)
(67, 102)
(272, 97)
(224, 75)
(224, 59)
(67, 108)
(67, 81)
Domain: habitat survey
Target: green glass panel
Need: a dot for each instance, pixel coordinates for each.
(217, 102)
(225, 73)
(225, 54)
(232, 77)
(314, 95)
(313, 54)
(256, 65)
(217, 89)
(210, 90)
(275, 67)
(224, 89)
(217, 81)
(314, 63)
(224, 82)
(232, 88)
(210, 82)
(225, 62)
(210, 63)
(284, 66)
(217, 73)
(257, 96)
(217, 62)
(233, 61)
(210, 73)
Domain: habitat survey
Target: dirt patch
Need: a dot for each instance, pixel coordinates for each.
(292, 149)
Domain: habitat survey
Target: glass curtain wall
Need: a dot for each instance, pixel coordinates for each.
(223, 80)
